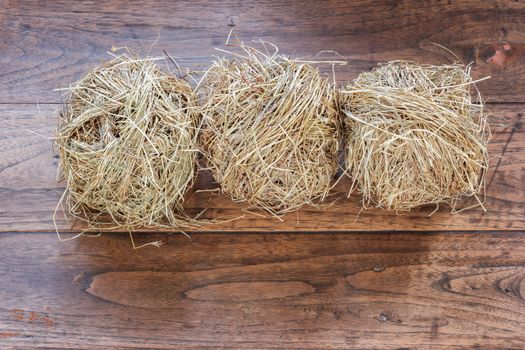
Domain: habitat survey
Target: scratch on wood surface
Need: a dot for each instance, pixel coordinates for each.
(32, 317)
(517, 126)
(8, 334)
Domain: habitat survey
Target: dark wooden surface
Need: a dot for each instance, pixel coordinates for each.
(322, 279)
(255, 291)
(51, 43)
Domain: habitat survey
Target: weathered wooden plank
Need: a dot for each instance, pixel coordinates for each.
(29, 192)
(294, 291)
(46, 45)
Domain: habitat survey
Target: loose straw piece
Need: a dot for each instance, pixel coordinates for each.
(127, 145)
(414, 136)
(270, 129)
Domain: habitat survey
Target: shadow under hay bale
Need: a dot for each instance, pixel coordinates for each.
(127, 145)
(414, 136)
(271, 129)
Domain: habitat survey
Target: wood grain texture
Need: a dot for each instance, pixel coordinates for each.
(263, 291)
(242, 290)
(49, 44)
(29, 192)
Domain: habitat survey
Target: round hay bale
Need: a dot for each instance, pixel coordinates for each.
(414, 136)
(127, 145)
(271, 130)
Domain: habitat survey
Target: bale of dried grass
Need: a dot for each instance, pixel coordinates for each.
(127, 145)
(271, 129)
(414, 136)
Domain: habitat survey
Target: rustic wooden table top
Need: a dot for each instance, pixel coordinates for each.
(317, 279)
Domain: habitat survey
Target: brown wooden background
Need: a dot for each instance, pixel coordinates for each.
(318, 279)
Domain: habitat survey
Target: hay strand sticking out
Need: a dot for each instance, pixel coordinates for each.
(414, 136)
(127, 145)
(270, 130)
